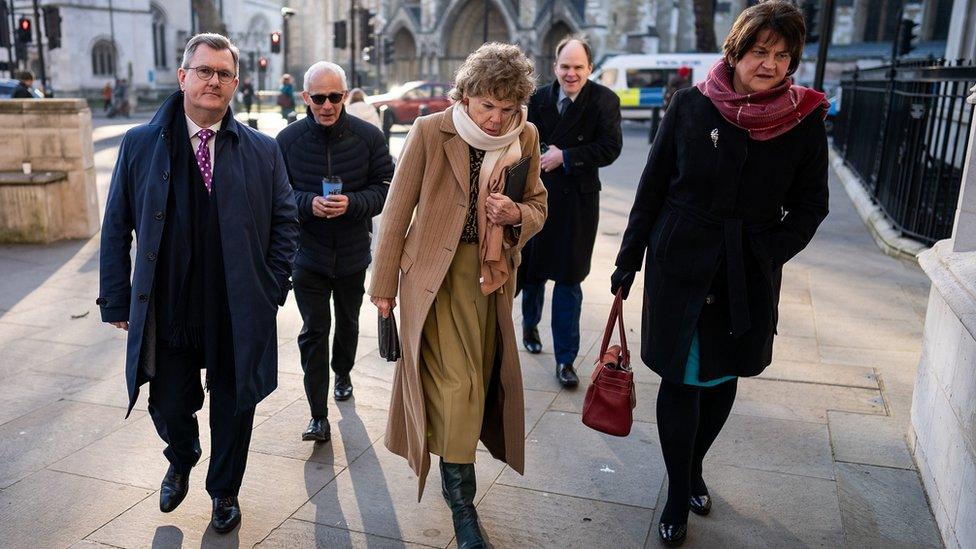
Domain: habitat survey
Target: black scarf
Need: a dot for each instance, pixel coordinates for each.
(188, 235)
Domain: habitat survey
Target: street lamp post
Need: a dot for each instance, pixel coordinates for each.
(826, 30)
(286, 14)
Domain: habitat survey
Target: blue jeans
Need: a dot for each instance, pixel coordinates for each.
(567, 302)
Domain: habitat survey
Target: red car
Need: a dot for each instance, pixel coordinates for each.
(404, 102)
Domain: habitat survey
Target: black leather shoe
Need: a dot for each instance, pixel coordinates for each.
(343, 388)
(530, 338)
(318, 430)
(458, 485)
(566, 375)
(226, 514)
(173, 489)
(700, 505)
(672, 535)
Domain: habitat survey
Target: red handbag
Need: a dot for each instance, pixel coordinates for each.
(610, 399)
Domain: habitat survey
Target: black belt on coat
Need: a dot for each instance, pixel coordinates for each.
(732, 229)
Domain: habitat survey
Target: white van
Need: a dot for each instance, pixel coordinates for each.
(641, 79)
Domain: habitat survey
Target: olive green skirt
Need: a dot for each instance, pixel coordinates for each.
(457, 352)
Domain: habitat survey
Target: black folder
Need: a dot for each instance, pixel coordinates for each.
(389, 339)
(515, 177)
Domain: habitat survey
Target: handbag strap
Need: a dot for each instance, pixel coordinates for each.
(616, 317)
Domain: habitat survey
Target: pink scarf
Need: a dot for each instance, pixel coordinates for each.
(765, 114)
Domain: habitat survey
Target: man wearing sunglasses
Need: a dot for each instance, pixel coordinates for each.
(340, 168)
(214, 216)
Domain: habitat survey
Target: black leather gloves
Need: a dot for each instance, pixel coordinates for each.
(621, 280)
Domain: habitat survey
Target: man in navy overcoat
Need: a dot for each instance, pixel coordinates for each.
(216, 231)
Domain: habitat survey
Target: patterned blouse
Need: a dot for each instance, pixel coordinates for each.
(470, 233)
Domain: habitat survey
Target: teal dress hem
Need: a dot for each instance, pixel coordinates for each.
(693, 368)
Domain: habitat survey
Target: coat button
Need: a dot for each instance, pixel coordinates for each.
(709, 299)
(166, 174)
(143, 298)
(151, 256)
(579, 137)
(158, 216)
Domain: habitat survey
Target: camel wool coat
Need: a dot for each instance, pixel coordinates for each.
(419, 233)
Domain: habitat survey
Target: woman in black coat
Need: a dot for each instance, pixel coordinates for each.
(735, 185)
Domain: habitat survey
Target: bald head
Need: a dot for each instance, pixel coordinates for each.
(321, 69)
(574, 63)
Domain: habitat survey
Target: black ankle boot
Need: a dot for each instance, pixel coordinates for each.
(458, 485)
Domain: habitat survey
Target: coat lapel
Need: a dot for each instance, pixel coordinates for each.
(456, 150)
(573, 113)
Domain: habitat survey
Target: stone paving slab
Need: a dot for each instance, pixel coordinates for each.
(774, 445)
(803, 401)
(826, 374)
(518, 518)
(871, 358)
(563, 456)
(900, 335)
(300, 534)
(98, 361)
(52, 509)
(377, 494)
(354, 430)
(111, 392)
(796, 319)
(863, 299)
(884, 507)
(869, 440)
(48, 434)
(795, 348)
(274, 487)
(764, 509)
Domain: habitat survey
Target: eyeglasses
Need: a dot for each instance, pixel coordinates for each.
(206, 73)
(335, 98)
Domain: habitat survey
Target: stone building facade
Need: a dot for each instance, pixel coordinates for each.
(142, 40)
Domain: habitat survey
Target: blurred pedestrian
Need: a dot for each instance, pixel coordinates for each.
(120, 99)
(216, 232)
(330, 147)
(579, 126)
(359, 108)
(459, 377)
(107, 96)
(286, 96)
(735, 185)
(680, 80)
(247, 95)
(25, 86)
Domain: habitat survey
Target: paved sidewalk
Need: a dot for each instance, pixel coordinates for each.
(813, 455)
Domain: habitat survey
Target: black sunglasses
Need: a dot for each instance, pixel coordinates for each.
(335, 98)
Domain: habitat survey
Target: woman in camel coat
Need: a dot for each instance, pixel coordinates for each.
(451, 240)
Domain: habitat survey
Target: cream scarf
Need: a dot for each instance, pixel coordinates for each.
(500, 152)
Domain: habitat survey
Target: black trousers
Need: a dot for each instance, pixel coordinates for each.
(176, 394)
(313, 292)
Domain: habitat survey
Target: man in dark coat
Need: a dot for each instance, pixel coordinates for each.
(216, 230)
(329, 147)
(579, 128)
(25, 83)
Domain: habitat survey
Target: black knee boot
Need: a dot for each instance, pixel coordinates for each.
(458, 485)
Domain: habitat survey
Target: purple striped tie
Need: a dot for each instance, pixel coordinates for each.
(203, 158)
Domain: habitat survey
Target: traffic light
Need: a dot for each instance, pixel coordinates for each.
(251, 60)
(906, 36)
(367, 31)
(339, 35)
(24, 30)
(275, 42)
(52, 26)
(388, 51)
(263, 64)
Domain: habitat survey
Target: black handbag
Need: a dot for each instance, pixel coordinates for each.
(389, 339)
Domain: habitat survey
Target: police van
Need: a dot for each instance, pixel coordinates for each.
(641, 80)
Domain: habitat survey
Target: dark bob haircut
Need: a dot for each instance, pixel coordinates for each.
(782, 20)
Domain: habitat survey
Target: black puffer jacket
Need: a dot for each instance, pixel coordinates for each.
(358, 154)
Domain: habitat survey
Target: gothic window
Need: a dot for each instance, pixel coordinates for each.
(159, 37)
(103, 58)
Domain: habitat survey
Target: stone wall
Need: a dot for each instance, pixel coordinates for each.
(54, 135)
(943, 431)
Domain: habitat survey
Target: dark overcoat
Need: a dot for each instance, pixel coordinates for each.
(258, 235)
(589, 134)
(719, 214)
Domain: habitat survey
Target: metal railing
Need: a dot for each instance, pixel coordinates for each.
(904, 130)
